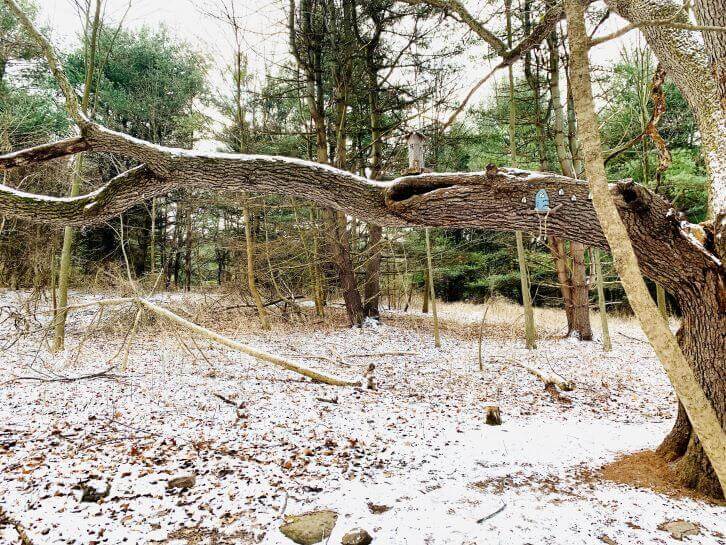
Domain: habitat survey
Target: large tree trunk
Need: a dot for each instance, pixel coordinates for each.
(690, 364)
(699, 74)
(666, 251)
(701, 338)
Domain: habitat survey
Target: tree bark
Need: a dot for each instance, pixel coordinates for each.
(580, 294)
(250, 252)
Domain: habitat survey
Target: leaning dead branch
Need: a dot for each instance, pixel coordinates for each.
(182, 323)
(264, 356)
(238, 407)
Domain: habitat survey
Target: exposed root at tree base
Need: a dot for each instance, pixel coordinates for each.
(646, 469)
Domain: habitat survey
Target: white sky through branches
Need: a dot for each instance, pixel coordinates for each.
(265, 35)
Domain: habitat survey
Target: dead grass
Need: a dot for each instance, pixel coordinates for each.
(504, 318)
(647, 470)
(643, 470)
(550, 321)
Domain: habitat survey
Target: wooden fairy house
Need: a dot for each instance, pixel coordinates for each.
(415, 142)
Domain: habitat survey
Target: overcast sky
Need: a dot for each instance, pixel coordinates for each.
(264, 32)
(185, 19)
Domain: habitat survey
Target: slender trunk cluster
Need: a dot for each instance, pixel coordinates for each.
(64, 271)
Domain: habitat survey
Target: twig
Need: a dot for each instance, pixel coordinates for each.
(99, 374)
(493, 514)
(238, 407)
(549, 380)
(632, 338)
(376, 354)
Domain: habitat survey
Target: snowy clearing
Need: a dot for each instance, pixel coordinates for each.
(412, 463)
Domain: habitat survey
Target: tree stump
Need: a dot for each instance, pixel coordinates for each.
(493, 416)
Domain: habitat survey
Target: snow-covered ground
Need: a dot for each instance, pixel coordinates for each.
(412, 462)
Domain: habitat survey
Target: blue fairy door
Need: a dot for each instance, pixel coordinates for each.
(541, 201)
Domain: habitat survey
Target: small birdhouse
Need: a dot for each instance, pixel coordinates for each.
(415, 141)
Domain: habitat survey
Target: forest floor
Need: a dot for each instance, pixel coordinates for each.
(412, 462)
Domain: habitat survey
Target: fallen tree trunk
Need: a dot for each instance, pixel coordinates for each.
(548, 379)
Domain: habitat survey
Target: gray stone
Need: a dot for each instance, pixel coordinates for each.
(184, 481)
(93, 493)
(678, 529)
(357, 537)
(309, 528)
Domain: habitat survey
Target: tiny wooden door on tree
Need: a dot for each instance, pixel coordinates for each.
(415, 142)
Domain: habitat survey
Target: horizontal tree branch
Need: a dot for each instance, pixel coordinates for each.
(500, 199)
(46, 152)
